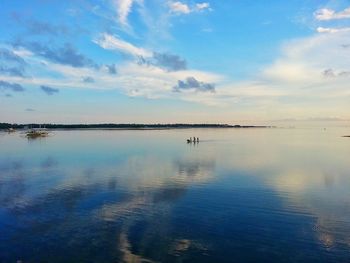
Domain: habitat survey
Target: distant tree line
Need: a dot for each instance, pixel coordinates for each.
(120, 126)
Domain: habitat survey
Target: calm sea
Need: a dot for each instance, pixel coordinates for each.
(239, 195)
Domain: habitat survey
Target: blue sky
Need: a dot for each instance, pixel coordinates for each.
(155, 61)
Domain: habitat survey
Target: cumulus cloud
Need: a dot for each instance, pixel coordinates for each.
(179, 8)
(330, 14)
(11, 64)
(191, 83)
(132, 79)
(48, 90)
(169, 61)
(4, 85)
(166, 61)
(107, 41)
(296, 76)
(66, 55)
(152, 82)
(88, 79)
(182, 8)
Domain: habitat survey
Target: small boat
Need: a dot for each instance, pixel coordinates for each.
(35, 133)
(195, 140)
(10, 130)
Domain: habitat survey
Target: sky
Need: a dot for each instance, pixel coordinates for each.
(167, 61)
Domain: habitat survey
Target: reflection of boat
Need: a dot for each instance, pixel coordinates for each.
(11, 130)
(35, 133)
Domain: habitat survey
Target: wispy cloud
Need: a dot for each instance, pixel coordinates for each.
(332, 30)
(183, 8)
(9, 55)
(134, 80)
(12, 71)
(111, 42)
(297, 76)
(48, 90)
(66, 55)
(11, 64)
(4, 85)
(123, 9)
(330, 14)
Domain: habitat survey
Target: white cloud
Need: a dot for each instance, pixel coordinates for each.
(332, 30)
(292, 85)
(110, 42)
(179, 8)
(123, 9)
(202, 6)
(132, 79)
(330, 14)
(182, 8)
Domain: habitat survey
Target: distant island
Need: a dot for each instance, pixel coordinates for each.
(133, 126)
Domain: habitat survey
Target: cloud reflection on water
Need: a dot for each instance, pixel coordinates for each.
(95, 197)
(120, 194)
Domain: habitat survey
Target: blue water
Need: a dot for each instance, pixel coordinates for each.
(239, 195)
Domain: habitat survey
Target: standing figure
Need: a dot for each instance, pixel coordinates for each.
(197, 139)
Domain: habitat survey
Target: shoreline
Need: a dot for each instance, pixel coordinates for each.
(6, 126)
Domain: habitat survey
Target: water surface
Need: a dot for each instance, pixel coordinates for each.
(240, 195)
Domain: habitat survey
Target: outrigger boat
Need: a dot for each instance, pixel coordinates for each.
(37, 132)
